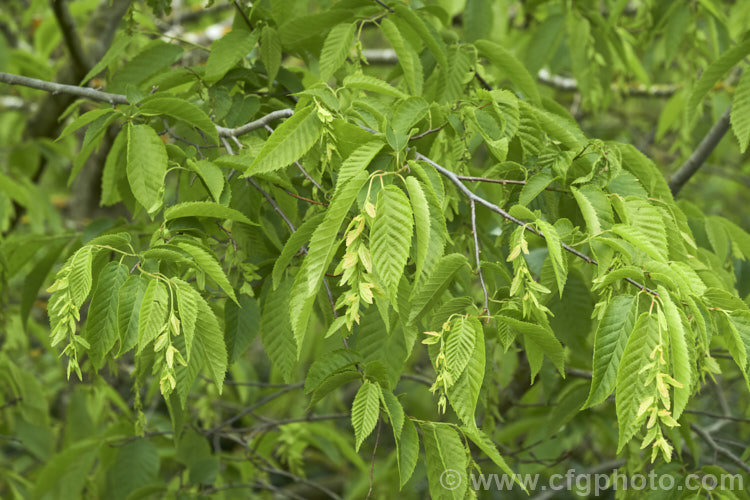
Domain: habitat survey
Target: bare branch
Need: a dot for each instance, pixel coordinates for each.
(471, 196)
(255, 125)
(701, 153)
(705, 436)
(505, 182)
(70, 35)
(59, 88)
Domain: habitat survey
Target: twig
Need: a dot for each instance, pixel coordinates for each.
(571, 85)
(718, 416)
(11, 402)
(60, 88)
(10, 438)
(417, 378)
(244, 16)
(273, 203)
(255, 125)
(575, 372)
(470, 178)
(471, 196)
(486, 309)
(70, 35)
(308, 418)
(705, 436)
(372, 461)
(427, 132)
(255, 406)
(308, 200)
(384, 5)
(300, 479)
(701, 153)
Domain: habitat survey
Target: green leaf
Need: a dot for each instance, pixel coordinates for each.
(427, 295)
(357, 161)
(631, 381)
(206, 209)
(227, 52)
(323, 245)
(276, 331)
(130, 297)
(114, 169)
(713, 73)
(539, 338)
(211, 175)
(146, 165)
(135, 465)
(534, 186)
(101, 324)
(187, 305)
(478, 19)
(182, 110)
(289, 142)
(336, 48)
(459, 346)
(595, 208)
(303, 28)
(207, 263)
(634, 236)
(559, 262)
(365, 411)
(740, 114)
(421, 210)
(372, 84)
(241, 324)
(209, 339)
(114, 51)
(444, 451)
(395, 412)
(79, 278)
(511, 67)
(408, 58)
(293, 245)
(83, 120)
(484, 443)
(390, 238)
(153, 313)
(682, 369)
(408, 452)
(270, 52)
(428, 35)
(327, 365)
(464, 393)
(609, 344)
(737, 339)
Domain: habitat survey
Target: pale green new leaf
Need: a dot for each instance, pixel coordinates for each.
(270, 51)
(631, 380)
(227, 52)
(713, 73)
(79, 279)
(609, 344)
(634, 236)
(357, 161)
(146, 165)
(206, 209)
(373, 84)
(289, 142)
(408, 452)
(207, 263)
(426, 295)
(129, 301)
(740, 114)
(365, 411)
(153, 313)
(101, 324)
(390, 237)
(407, 57)
(323, 245)
(682, 369)
(511, 67)
(556, 256)
(459, 345)
(336, 48)
(182, 110)
(421, 210)
(464, 393)
(444, 451)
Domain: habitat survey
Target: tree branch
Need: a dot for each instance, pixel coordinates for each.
(473, 197)
(254, 125)
(486, 309)
(70, 35)
(701, 153)
(705, 436)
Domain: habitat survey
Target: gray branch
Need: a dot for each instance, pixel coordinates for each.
(705, 436)
(701, 153)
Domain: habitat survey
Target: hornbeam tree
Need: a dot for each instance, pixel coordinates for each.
(317, 249)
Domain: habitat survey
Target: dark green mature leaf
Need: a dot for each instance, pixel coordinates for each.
(289, 142)
(426, 295)
(136, 465)
(390, 238)
(445, 458)
(276, 330)
(241, 323)
(146, 165)
(101, 324)
(130, 296)
(357, 161)
(270, 51)
(293, 245)
(407, 452)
